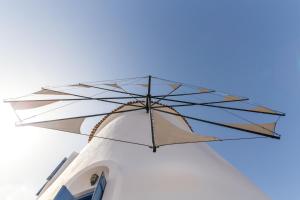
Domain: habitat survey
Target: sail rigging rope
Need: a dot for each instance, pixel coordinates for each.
(244, 119)
(57, 108)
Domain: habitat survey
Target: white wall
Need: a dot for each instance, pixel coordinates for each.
(186, 171)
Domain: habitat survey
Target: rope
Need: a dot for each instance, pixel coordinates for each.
(57, 108)
(217, 140)
(111, 139)
(242, 118)
(50, 110)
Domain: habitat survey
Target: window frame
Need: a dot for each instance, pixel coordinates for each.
(100, 188)
(96, 193)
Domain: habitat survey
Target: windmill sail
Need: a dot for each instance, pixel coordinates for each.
(66, 125)
(204, 90)
(166, 133)
(232, 98)
(122, 143)
(174, 86)
(114, 85)
(23, 105)
(173, 97)
(50, 92)
(265, 129)
(265, 110)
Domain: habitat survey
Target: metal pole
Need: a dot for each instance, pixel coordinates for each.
(148, 97)
(148, 110)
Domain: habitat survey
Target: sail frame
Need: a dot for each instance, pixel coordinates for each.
(151, 104)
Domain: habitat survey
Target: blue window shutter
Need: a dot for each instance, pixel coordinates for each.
(100, 188)
(64, 194)
(102, 181)
(86, 196)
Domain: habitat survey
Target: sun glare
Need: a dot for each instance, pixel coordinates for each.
(16, 142)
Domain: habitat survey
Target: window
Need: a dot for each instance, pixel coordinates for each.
(100, 188)
(97, 194)
(64, 194)
(87, 196)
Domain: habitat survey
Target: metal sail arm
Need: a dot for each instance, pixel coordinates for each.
(73, 124)
(217, 140)
(270, 112)
(175, 87)
(112, 139)
(188, 103)
(111, 90)
(117, 140)
(35, 103)
(91, 98)
(231, 126)
(111, 80)
(133, 96)
(183, 94)
(199, 88)
(258, 109)
(227, 97)
(78, 117)
(72, 99)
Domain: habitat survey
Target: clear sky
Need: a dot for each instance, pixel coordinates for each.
(250, 48)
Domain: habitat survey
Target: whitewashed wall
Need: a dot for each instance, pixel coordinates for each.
(186, 171)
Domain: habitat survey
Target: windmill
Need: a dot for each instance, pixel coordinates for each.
(141, 141)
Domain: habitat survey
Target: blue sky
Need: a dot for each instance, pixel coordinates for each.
(250, 48)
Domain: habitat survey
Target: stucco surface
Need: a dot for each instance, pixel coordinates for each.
(185, 171)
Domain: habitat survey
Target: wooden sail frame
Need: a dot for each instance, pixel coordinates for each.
(151, 103)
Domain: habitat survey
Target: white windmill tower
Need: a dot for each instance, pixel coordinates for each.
(145, 149)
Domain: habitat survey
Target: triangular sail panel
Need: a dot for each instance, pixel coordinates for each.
(67, 125)
(114, 85)
(232, 98)
(154, 94)
(203, 90)
(80, 85)
(166, 133)
(266, 128)
(174, 86)
(22, 105)
(50, 92)
(264, 110)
